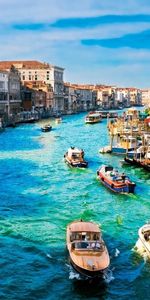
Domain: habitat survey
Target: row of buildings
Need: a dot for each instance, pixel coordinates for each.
(38, 88)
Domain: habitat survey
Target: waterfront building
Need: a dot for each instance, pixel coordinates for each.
(105, 96)
(122, 97)
(37, 95)
(133, 94)
(32, 71)
(10, 98)
(145, 95)
(79, 97)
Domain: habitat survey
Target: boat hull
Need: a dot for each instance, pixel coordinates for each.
(46, 129)
(137, 163)
(122, 151)
(92, 122)
(87, 273)
(81, 165)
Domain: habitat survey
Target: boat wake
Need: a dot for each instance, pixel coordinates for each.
(48, 255)
(73, 274)
(117, 252)
(108, 276)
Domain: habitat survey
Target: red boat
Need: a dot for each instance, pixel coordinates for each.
(116, 182)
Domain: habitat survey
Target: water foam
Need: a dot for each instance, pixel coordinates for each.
(108, 276)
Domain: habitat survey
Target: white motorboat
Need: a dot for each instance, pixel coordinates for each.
(143, 243)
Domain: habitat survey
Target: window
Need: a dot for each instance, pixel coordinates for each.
(1, 84)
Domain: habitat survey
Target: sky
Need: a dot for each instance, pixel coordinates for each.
(97, 42)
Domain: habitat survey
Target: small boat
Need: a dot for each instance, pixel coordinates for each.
(93, 118)
(46, 128)
(87, 250)
(74, 157)
(58, 120)
(143, 244)
(116, 182)
(107, 114)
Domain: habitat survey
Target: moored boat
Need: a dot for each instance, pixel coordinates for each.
(107, 114)
(125, 144)
(93, 118)
(87, 250)
(115, 181)
(46, 128)
(74, 157)
(143, 243)
(58, 120)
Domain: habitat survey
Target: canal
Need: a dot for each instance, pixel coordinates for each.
(40, 195)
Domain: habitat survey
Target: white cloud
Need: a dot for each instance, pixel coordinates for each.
(124, 66)
(103, 31)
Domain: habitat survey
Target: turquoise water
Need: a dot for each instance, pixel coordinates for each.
(40, 195)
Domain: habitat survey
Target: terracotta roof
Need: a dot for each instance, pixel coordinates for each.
(25, 64)
(3, 70)
(84, 227)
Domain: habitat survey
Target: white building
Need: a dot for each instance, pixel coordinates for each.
(10, 99)
(145, 94)
(78, 98)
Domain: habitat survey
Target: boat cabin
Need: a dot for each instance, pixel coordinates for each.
(89, 239)
(75, 153)
(128, 142)
(93, 118)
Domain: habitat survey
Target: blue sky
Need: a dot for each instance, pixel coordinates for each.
(95, 41)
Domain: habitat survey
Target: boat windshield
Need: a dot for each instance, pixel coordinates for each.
(108, 168)
(76, 155)
(84, 236)
(92, 245)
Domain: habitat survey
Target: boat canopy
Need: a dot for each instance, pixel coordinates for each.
(84, 227)
(74, 151)
(108, 168)
(93, 115)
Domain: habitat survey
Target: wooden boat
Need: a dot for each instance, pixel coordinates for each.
(144, 238)
(93, 118)
(46, 128)
(119, 183)
(87, 250)
(74, 157)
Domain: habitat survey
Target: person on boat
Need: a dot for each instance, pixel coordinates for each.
(82, 153)
(123, 176)
(114, 174)
(147, 236)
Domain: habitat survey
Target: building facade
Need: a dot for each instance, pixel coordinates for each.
(79, 98)
(10, 96)
(35, 71)
(145, 95)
